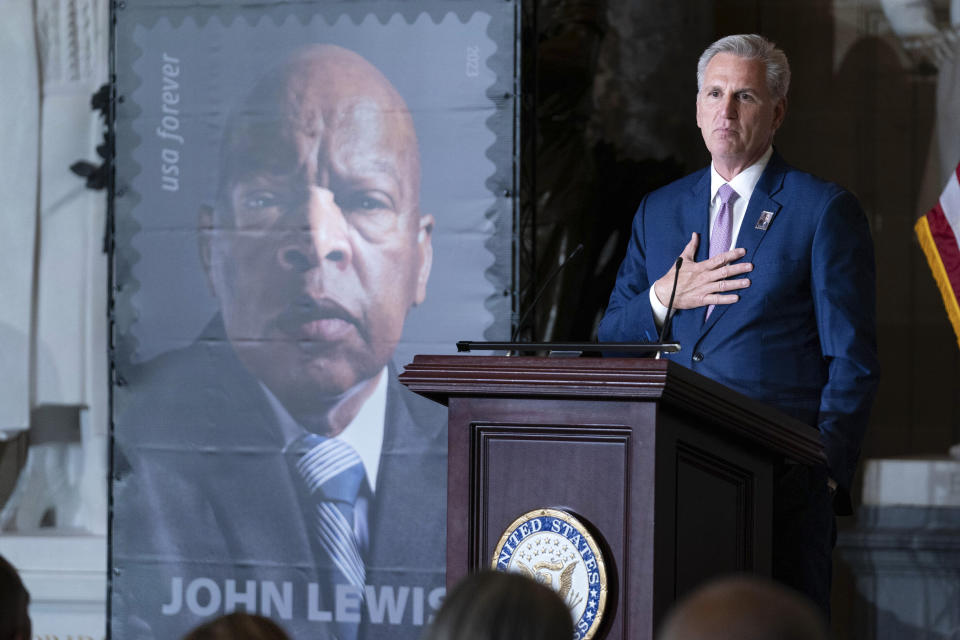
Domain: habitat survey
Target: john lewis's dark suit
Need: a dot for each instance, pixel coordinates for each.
(203, 491)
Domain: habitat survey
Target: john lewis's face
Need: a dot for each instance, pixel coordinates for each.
(318, 248)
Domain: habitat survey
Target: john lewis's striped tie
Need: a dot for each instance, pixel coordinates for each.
(333, 473)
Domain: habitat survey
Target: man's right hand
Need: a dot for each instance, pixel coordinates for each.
(704, 283)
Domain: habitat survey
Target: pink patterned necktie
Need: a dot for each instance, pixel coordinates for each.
(722, 226)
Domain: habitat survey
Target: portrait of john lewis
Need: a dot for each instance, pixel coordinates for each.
(275, 464)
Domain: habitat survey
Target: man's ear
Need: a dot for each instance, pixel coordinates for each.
(697, 108)
(779, 113)
(204, 243)
(425, 255)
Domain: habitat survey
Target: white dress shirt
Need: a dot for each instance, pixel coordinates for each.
(743, 183)
(364, 433)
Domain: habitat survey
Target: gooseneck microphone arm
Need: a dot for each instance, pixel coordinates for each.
(543, 287)
(669, 317)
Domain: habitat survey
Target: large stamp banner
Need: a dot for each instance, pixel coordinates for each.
(306, 196)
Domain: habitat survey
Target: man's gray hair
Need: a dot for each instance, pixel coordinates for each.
(753, 47)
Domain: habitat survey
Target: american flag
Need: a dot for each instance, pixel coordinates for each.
(939, 235)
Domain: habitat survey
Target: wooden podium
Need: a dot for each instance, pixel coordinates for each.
(672, 471)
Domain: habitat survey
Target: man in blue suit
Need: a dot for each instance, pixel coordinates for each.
(775, 295)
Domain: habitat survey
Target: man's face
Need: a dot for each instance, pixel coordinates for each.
(736, 112)
(319, 248)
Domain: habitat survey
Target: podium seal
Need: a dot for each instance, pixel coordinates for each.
(555, 549)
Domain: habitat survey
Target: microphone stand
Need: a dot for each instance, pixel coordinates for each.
(669, 317)
(543, 287)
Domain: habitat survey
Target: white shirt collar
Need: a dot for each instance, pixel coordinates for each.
(744, 182)
(364, 433)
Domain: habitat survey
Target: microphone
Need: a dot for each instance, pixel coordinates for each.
(673, 292)
(543, 287)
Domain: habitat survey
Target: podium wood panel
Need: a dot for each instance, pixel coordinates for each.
(672, 472)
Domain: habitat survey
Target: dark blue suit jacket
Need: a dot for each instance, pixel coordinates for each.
(802, 337)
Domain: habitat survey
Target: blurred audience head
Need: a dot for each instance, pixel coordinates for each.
(492, 605)
(238, 626)
(14, 600)
(744, 608)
